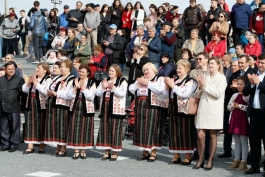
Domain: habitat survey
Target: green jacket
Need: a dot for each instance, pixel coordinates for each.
(86, 52)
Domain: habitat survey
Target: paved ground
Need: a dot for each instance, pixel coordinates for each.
(44, 165)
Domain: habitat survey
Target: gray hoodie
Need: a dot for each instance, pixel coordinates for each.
(92, 20)
(7, 27)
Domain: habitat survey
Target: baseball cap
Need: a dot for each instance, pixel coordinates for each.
(112, 26)
(97, 5)
(66, 7)
(232, 51)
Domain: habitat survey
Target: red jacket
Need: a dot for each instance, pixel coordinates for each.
(225, 7)
(254, 49)
(170, 17)
(126, 19)
(217, 51)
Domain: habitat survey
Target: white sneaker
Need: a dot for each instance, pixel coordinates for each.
(35, 62)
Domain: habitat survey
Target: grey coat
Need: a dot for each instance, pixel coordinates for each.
(198, 48)
(7, 27)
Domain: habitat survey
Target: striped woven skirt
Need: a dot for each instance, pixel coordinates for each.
(34, 123)
(81, 129)
(110, 132)
(148, 126)
(56, 127)
(181, 132)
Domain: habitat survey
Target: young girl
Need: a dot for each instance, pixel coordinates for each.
(239, 125)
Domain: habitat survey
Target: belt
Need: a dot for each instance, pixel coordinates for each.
(142, 97)
(33, 95)
(79, 99)
(171, 100)
(107, 99)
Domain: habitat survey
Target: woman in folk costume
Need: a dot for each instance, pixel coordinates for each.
(181, 124)
(35, 122)
(57, 117)
(112, 112)
(81, 126)
(150, 104)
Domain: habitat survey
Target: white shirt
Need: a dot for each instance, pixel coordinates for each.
(256, 102)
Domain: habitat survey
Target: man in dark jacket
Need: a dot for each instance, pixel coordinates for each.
(112, 44)
(11, 92)
(154, 47)
(75, 16)
(240, 18)
(192, 18)
(23, 32)
(212, 16)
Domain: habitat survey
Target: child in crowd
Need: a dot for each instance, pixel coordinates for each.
(239, 125)
(52, 58)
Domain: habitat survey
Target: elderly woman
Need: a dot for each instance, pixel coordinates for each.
(221, 25)
(227, 66)
(253, 47)
(150, 103)
(57, 117)
(211, 93)
(166, 67)
(182, 87)
(59, 40)
(217, 46)
(36, 89)
(56, 69)
(81, 129)
(83, 50)
(194, 44)
(71, 43)
(113, 100)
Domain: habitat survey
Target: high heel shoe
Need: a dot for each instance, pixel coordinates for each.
(208, 168)
(76, 156)
(178, 161)
(196, 167)
(186, 163)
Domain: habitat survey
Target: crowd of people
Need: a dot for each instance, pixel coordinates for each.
(202, 69)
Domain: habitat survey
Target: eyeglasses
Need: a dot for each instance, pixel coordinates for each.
(221, 16)
(199, 59)
(142, 49)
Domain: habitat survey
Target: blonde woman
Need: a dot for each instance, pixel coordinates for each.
(71, 43)
(221, 25)
(211, 92)
(150, 103)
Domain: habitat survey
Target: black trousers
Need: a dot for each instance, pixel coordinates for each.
(236, 35)
(257, 133)
(10, 129)
(227, 136)
(8, 46)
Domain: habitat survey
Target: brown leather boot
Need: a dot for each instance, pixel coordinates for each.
(242, 166)
(234, 165)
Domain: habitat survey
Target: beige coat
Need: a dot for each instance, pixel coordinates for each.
(198, 48)
(211, 107)
(224, 28)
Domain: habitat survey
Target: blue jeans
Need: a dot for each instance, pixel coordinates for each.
(261, 37)
(1, 44)
(121, 66)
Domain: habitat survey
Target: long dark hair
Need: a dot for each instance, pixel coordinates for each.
(129, 3)
(135, 5)
(162, 7)
(50, 16)
(120, 5)
(103, 7)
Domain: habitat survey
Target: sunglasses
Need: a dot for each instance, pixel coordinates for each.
(221, 16)
(199, 59)
(142, 49)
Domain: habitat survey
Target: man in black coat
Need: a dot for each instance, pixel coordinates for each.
(255, 87)
(75, 16)
(244, 70)
(10, 94)
(112, 45)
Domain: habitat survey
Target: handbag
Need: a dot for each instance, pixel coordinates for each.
(31, 36)
(191, 106)
(100, 74)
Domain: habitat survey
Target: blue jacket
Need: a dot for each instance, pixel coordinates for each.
(131, 44)
(166, 69)
(154, 50)
(240, 16)
(167, 43)
(63, 21)
(42, 26)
